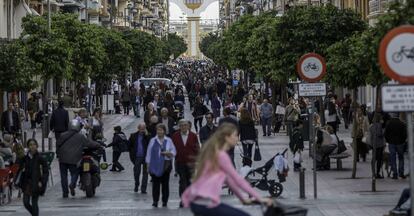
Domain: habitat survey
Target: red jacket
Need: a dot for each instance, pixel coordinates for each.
(188, 153)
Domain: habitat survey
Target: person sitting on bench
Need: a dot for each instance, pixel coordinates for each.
(325, 146)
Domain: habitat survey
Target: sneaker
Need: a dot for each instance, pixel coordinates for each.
(181, 205)
(136, 188)
(143, 192)
(155, 205)
(65, 196)
(379, 176)
(164, 205)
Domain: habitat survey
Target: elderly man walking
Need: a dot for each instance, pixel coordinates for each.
(138, 144)
(266, 113)
(187, 145)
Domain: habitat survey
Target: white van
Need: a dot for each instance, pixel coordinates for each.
(150, 81)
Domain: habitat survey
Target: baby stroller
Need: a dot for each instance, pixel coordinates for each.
(261, 181)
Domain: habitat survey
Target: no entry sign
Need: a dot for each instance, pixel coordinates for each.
(396, 54)
(311, 67)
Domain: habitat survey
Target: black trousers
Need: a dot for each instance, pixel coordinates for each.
(379, 154)
(200, 123)
(161, 183)
(115, 160)
(33, 207)
(126, 105)
(247, 149)
(184, 171)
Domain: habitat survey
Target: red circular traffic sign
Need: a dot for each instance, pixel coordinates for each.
(396, 54)
(311, 67)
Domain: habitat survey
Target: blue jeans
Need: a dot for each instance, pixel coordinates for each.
(267, 126)
(397, 150)
(74, 174)
(220, 210)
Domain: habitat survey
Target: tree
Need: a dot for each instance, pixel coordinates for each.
(207, 41)
(50, 52)
(146, 50)
(16, 66)
(310, 29)
(349, 62)
(175, 45)
(116, 57)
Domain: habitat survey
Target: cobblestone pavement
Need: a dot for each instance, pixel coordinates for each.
(338, 194)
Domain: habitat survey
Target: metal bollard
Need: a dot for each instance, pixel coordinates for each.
(302, 183)
(50, 142)
(34, 135)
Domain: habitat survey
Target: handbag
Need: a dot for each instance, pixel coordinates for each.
(257, 155)
(18, 180)
(341, 145)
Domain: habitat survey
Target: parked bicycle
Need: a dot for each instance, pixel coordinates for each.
(398, 56)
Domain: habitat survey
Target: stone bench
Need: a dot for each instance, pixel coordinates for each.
(338, 158)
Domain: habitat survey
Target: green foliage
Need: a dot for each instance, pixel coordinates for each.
(16, 69)
(147, 50)
(175, 45)
(50, 52)
(399, 14)
(311, 29)
(206, 42)
(261, 45)
(349, 61)
(117, 55)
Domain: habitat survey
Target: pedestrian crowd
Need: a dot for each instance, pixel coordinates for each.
(203, 159)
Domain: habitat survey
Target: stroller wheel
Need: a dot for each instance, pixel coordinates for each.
(275, 189)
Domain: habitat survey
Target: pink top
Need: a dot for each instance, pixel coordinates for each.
(210, 183)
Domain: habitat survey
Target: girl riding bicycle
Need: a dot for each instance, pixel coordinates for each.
(213, 169)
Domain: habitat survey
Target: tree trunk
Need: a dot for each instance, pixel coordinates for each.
(354, 141)
(378, 100)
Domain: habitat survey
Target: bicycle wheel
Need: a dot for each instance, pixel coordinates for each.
(397, 57)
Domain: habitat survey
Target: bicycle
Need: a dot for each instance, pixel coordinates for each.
(279, 209)
(311, 66)
(398, 56)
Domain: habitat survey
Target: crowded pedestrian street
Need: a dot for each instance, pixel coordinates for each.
(206, 107)
(338, 194)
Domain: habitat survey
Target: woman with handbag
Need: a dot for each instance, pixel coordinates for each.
(32, 177)
(160, 154)
(248, 134)
(119, 144)
(213, 169)
(359, 129)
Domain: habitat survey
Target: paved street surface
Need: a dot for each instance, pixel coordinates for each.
(338, 195)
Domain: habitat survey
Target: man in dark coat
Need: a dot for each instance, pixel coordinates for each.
(138, 144)
(59, 122)
(396, 136)
(167, 121)
(10, 120)
(69, 151)
(207, 130)
(187, 146)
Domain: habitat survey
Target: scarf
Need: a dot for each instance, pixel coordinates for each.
(157, 160)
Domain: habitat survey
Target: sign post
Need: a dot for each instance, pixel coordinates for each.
(396, 57)
(311, 68)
